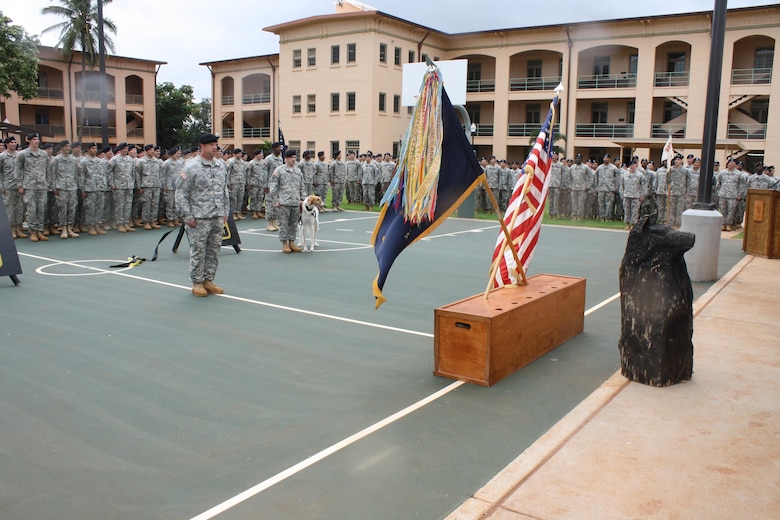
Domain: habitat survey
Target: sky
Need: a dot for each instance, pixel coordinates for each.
(184, 33)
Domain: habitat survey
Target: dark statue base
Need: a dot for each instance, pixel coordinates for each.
(656, 303)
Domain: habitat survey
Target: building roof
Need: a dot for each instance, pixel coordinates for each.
(239, 59)
(59, 51)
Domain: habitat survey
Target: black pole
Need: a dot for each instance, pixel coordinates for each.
(711, 111)
(103, 80)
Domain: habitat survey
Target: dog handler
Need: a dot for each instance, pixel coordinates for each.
(287, 190)
(203, 201)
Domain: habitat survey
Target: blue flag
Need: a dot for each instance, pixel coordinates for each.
(460, 171)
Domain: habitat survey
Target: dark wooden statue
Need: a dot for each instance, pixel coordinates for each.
(656, 303)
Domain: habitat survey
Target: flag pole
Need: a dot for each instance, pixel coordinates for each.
(505, 229)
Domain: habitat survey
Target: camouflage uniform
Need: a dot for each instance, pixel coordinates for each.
(255, 181)
(370, 177)
(387, 170)
(607, 179)
(553, 188)
(660, 193)
(741, 199)
(493, 176)
(337, 173)
(728, 191)
(582, 178)
(121, 179)
(92, 184)
(148, 178)
(633, 188)
(505, 188)
(287, 190)
(678, 180)
(10, 182)
(354, 187)
(564, 192)
(63, 180)
(272, 162)
(236, 170)
(307, 169)
(693, 189)
(32, 168)
(171, 168)
(761, 181)
(202, 195)
(321, 180)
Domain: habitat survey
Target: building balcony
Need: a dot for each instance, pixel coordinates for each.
(664, 130)
(483, 131)
(228, 132)
(671, 79)
(135, 132)
(523, 129)
(228, 100)
(134, 99)
(50, 129)
(751, 76)
(481, 85)
(604, 130)
(91, 95)
(251, 133)
(92, 130)
(542, 83)
(253, 99)
(607, 81)
(50, 93)
(747, 131)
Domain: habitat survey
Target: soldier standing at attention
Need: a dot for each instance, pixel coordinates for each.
(171, 168)
(91, 182)
(121, 181)
(255, 171)
(63, 182)
(321, 177)
(204, 203)
(236, 183)
(287, 192)
(354, 189)
(493, 176)
(148, 181)
(32, 164)
(387, 171)
(369, 176)
(581, 182)
(338, 177)
(677, 181)
(10, 182)
(633, 188)
(553, 188)
(307, 169)
(272, 162)
(607, 178)
(728, 193)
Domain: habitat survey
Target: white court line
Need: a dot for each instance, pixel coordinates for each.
(297, 468)
(245, 300)
(317, 457)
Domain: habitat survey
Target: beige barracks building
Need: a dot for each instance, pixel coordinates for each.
(629, 83)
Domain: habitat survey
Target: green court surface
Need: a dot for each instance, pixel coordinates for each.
(122, 396)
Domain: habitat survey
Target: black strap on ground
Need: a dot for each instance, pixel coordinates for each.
(178, 239)
(131, 262)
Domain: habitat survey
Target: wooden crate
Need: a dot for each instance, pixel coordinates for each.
(762, 223)
(483, 341)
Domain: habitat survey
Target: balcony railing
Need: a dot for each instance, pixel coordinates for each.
(481, 85)
(256, 132)
(135, 132)
(96, 130)
(607, 81)
(542, 83)
(51, 129)
(228, 100)
(747, 131)
(256, 98)
(751, 76)
(51, 93)
(671, 79)
(523, 129)
(134, 99)
(228, 132)
(663, 130)
(605, 130)
(91, 95)
(483, 131)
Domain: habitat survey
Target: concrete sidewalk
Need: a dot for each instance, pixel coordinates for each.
(704, 449)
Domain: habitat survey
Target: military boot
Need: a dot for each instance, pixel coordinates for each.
(42, 236)
(286, 247)
(100, 230)
(199, 290)
(92, 231)
(71, 232)
(294, 248)
(33, 236)
(211, 288)
(64, 232)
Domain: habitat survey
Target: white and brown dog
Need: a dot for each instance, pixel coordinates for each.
(310, 222)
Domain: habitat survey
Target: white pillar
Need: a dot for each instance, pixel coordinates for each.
(702, 259)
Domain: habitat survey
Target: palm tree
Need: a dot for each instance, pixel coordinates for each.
(79, 31)
(557, 136)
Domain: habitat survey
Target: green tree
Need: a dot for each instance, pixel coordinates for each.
(175, 108)
(19, 65)
(557, 136)
(198, 124)
(79, 31)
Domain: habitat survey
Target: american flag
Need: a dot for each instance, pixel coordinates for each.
(523, 217)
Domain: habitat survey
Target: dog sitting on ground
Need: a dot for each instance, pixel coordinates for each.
(310, 222)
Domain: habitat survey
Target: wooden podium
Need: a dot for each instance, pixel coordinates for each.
(483, 341)
(762, 223)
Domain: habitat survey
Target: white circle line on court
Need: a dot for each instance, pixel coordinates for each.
(42, 269)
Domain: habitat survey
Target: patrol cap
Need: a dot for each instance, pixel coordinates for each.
(290, 153)
(75, 144)
(90, 145)
(120, 146)
(46, 146)
(208, 139)
(277, 144)
(336, 153)
(33, 135)
(257, 152)
(148, 147)
(306, 154)
(173, 150)
(237, 151)
(105, 149)
(193, 149)
(9, 139)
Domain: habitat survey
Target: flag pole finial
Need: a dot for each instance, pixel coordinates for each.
(559, 88)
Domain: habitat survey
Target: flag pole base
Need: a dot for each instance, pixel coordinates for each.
(482, 342)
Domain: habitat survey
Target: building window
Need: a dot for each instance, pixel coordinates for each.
(351, 52)
(396, 104)
(534, 69)
(424, 58)
(311, 146)
(335, 54)
(411, 56)
(311, 103)
(350, 101)
(397, 57)
(409, 110)
(312, 57)
(675, 62)
(294, 146)
(43, 79)
(296, 104)
(764, 58)
(382, 99)
(633, 64)
(671, 111)
(601, 66)
(533, 113)
(352, 146)
(759, 110)
(382, 53)
(334, 147)
(296, 59)
(335, 102)
(630, 112)
(41, 116)
(599, 113)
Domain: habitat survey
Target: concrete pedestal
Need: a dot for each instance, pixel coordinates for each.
(702, 259)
